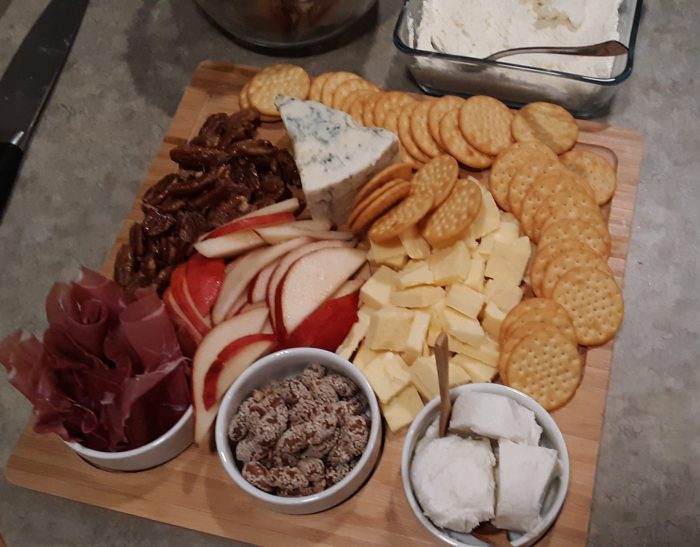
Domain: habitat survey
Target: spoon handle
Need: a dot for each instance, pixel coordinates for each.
(611, 48)
(442, 357)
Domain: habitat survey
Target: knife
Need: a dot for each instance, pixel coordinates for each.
(28, 81)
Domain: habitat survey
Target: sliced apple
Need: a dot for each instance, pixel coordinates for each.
(184, 300)
(327, 326)
(238, 305)
(207, 353)
(229, 245)
(309, 283)
(286, 262)
(179, 317)
(258, 287)
(283, 232)
(287, 206)
(244, 270)
(249, 223)
(349, 287)
(204, 277)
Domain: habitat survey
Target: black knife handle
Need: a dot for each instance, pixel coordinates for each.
(10, 160)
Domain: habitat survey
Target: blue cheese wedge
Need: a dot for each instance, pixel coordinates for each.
(334, 154)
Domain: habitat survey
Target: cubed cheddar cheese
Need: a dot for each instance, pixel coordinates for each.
(485, 245)
(388, 374)
(463, 328)
(356, 334)
(492, 320)
(400, 411)
(508, 219)
(416, 336)
(417, 297)
(376, 290)
(504, 294)
(389, 328)
(488, 219)
(424, 377)
(381, 253)
(464, 299)
(451, 264)
(486, 350)
(475, 278)
(364, 356)
(477, 370)
(416, 272)
(507, 233)
(508, 261)
(413, 243)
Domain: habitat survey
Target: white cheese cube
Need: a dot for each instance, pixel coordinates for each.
(486, 245)
(463, 328)
(364, 356)
(489, 217)
(475, 278)
(396, 262)
(400, 411)
(377, 289)
(388, 375)
(451, 264)
(508, 261)
(507, 219)
(382, 253)
(389, 328)
(417, 297)
(334, 154)
(477, 370)
(507, 233)
(464, 299)
(417, 335)
(356, 334)
(485, 351)
(416, 272)
(502, 293)
(492, 320)
(413, 243)
(424, 376)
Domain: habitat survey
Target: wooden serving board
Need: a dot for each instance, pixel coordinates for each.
(194, 491)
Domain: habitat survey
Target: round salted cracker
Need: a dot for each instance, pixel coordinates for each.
(332, 82)
(450, 220)
(345, 88)
(438, 109)
(407, 213)
(515, 336)
(547, 123)
(573, 228)
(567, 204)
(485, 123)
(274, 80)
(391, 119)
(390, 103)
(457, 146)
(544, 254)
(562, 263)
(437, 178)
(384, 200)
(421, 133)
(243, 99)
(547, 366)
(595, 170)
(543, 310)
(525, 177)
(593, 300)
(368, 109)
(402, 171)
(317, 86)
(356, 104)
(405, 136)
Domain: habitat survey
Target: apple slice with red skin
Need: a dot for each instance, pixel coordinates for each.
(244, 270)
(285, 206)
(249, 223)
(327, 326)
(286, 262)
(283, 232)
(207, 353)
(184, 300)
(257, 290)
(349, 287)
(310, 281)
(204, 277)
(180, 319)
(230, 245)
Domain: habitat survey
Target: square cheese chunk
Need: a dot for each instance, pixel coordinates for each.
(388, 374)
(485, 351)
(478, 371)
(492, 320)
(416, 336)
(417, 297)
(400, 411)
(384, 251)
(413, 243)
(475, 277)
(416, 272)
(488, 219)
(509, 225)
(356, 334)
(451, 264)
(494, 416)
(364, 356)
(508, 261)
(485, 246)
(524, 476)
(463, 328)
(424, 376)
(389, 328)
(504, 294)
(376, 290)
(464, 299)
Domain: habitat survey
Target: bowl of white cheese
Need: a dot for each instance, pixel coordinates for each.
(504, 461)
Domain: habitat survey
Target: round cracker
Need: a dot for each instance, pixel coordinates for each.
(485, 123)
(421, 133)
(391, 120)
(594, 301)
(544, 254)
(243, 99)
(368, 109)
(508, 162)
(405, 136)
(405, 157)
(406, 214)
(450, 220)
(437, 178)
(566, 204)
(524, 177)
(547, 123)
(515, 336)
(595, 170)
(437, 110)
(574, 228)
(274, 80)
(355, 105)
(562, 263)
(456, 145)
(547, 366)
(389, 102)
(544, 310)
(384, 200)
(333, 81)
(361, 205)
(346, 87)
(402, 171)
(317, 86)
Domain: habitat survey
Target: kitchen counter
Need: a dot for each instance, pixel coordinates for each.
(105, 121)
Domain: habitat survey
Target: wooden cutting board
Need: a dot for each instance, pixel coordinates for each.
(194, 491)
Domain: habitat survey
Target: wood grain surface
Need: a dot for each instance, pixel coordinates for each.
(194, 491)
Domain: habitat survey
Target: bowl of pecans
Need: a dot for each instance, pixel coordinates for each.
(300, 430)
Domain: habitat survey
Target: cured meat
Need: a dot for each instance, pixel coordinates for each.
(109, 372)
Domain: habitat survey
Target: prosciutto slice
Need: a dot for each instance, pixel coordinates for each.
(109, 372)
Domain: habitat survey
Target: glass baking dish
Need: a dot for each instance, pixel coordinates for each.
(439, 73)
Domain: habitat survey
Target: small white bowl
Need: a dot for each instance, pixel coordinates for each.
(551, 438)
(158, 451)
(284, 364)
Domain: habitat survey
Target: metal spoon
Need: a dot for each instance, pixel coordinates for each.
(442, 357)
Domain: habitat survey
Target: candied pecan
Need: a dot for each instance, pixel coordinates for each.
(249, 449)
(211, 131)
(288, 478)
(313, 468)
(315, 370)
(321, 426)
(162, 280)
(322, 391)
(245, 173)
(156, 223)
(358, 403)
(294, 440)
(228, 210)
(244, 116)
(321, 449)
(278, 459)
(336, 472)
(136, 239)
(304, 409)
(191, 225)
(273, 423)
(251, 147)
(293, 390)
(124, 265)
(148, 268)
(209, 198)
(172, 205)
(313, 488)
(272, 186)
(286, 168)
(157, 193)
(258, 475)
(352, 442)
(238, 427)
(342, 385)
(192, 156)
(193, 185)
